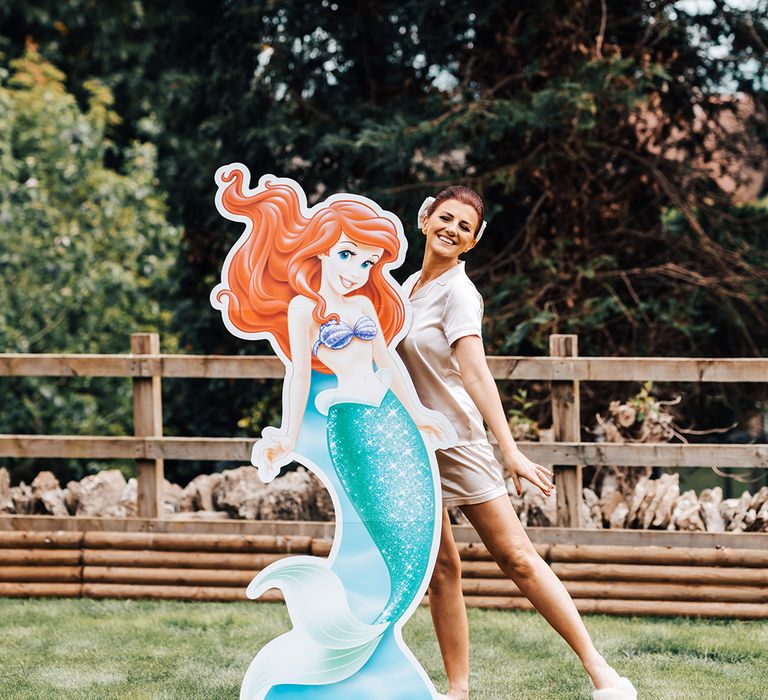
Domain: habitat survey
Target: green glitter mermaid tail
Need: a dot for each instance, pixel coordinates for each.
(381, 462)
(346, 610)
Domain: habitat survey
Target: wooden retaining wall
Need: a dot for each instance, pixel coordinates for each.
(710, 581)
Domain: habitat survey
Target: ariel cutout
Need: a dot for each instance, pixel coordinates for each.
(352, 417)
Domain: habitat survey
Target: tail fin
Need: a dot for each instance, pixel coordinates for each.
(327, 643)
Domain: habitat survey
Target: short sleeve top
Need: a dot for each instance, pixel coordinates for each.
(444, 310)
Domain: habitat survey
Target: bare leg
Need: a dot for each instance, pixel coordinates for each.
(446, 603)
(500, 530)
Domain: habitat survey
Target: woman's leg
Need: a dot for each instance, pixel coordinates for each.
(500, 530)
(446, 603)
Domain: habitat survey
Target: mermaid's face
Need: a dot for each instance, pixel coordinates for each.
(347, 265)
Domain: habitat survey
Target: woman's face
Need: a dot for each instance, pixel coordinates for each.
(450, 229)
(347, 265)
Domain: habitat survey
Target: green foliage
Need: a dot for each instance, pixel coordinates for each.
(644, 401)
(521, 424)
(86, 252)
(266, 410)
(590, 135)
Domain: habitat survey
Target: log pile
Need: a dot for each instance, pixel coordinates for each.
(653, 504)
(299, 495)
(235, 493)
(658, 504)
(712, 581)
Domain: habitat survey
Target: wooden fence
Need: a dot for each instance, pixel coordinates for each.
(630, 589)
(564, 369)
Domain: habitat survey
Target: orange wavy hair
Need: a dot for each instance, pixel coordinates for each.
(278, 259)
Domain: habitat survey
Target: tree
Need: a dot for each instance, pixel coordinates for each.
(86, 251)
(590, 128)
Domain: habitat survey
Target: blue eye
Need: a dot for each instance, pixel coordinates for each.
(366, 264)
(344, 254)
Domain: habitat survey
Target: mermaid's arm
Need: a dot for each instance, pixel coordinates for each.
(271, 452)
(299, 323)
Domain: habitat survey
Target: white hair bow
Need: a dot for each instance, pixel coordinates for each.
(424, 208)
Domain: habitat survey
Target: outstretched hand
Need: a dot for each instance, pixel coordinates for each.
(271, 453)
(435, 426)
(520, 467)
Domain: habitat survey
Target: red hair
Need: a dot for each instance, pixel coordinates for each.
(278, 258)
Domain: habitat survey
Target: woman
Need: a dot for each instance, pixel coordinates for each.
(444, 354)
(316, 284)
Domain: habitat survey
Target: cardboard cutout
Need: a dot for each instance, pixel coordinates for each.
(316, 283)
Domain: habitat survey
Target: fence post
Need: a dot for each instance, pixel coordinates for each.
(566, 426)
(148, 422)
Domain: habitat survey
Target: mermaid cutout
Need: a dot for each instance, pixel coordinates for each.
(316, 283)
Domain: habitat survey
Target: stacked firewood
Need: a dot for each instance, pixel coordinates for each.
(616, 497)
(628, 497)
(234, 493)
(658, 504)
(240, 494)
(641, 418)
(653, 504)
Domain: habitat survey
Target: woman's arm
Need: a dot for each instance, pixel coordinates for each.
(482, 389)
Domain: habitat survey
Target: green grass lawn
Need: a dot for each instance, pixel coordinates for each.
(172, 650)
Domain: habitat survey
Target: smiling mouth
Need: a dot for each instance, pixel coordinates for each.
(347, 284)
(446, 240)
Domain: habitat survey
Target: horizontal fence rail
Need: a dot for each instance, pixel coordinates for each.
(324, 529)
(239, 450)
(592, 369)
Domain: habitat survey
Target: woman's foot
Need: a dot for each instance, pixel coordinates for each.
(601, 673)
(457, 693)
(624, 690)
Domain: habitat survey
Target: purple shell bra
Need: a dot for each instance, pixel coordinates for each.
(338, 335)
